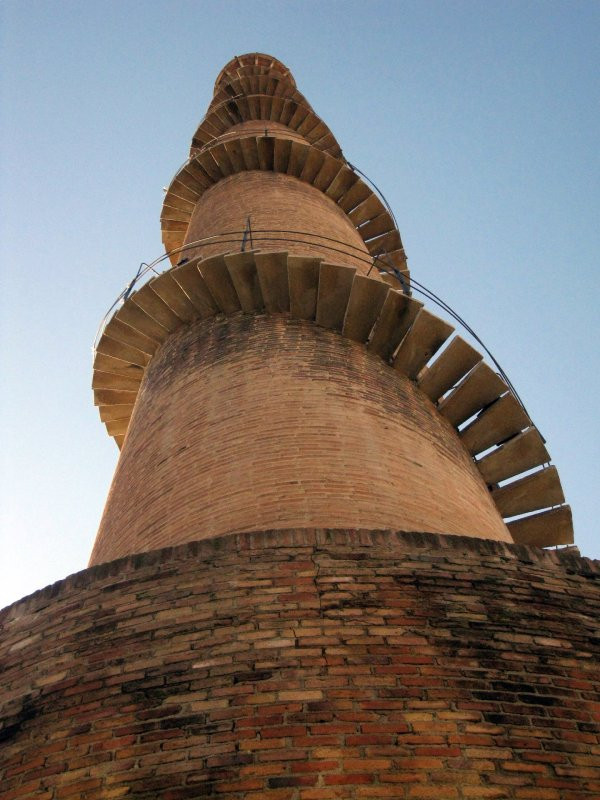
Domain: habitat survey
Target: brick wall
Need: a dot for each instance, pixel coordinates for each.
(255, 422)
(307, 665)
(274, 201)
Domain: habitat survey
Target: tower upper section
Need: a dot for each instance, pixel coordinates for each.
(264, 168)
(257, 88)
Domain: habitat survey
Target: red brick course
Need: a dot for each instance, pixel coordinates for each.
(256, 422)
(307, 664)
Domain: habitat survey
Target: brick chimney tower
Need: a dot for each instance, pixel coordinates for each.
(319, 573)
(277, 378)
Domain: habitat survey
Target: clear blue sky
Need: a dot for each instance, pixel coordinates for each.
(478, 120)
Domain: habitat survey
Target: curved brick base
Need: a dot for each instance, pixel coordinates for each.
(308, 664)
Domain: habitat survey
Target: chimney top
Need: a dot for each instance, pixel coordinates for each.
(253, 63)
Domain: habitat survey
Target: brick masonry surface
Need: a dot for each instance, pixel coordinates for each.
(276, 202)
(258, 422)
(307, 665)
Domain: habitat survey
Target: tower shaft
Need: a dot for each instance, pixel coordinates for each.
(257, 411)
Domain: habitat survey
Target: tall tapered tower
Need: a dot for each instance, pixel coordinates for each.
(320, 569)
(279, 375)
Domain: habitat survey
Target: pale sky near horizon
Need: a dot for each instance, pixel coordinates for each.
(479, 121)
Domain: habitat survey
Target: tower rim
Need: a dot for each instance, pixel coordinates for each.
(255, 59)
